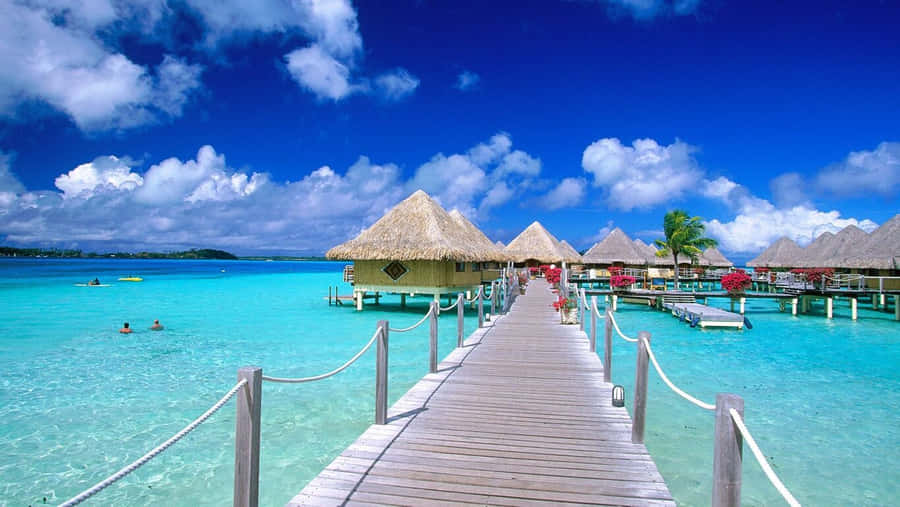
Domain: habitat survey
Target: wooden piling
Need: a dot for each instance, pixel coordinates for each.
(593, 337)
(615, 300)
(479, 303)
(742, 300)
(639, 413)
(402, 300)
(381, 377)
(853, 308)
(728, 453)
(460, 312)
(580, 294)
(246, 438)
(794, 307)
(829, 307)
(607, 347)
(433, 343)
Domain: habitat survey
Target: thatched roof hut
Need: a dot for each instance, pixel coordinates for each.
(417, 228)
(616, 247)
(571, 251)
(713, 257)
(500, 245)
(536, 243)
(816, 253)
(649, 251)
(880, 251)
(491, 251)
(834, 251)
(784, 253)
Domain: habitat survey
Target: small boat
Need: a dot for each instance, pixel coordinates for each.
(131, 279)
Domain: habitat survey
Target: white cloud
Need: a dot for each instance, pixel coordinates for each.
(106, 204)
(601, 233)
(517, 162)
(569, 192)
(641, 175)
(649, 9)
(864, 173)
(104, 173)
(487, 153)
(789, 190)
(467, 80)
(319, 73)
(396, 84)
(69, 67)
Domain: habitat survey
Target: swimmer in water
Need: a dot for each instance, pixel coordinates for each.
(125, 329)
(156, 326)
(95, 281)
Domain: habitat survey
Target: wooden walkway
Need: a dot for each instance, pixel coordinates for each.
(518, 416)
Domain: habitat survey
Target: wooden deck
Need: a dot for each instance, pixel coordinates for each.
(518, 416)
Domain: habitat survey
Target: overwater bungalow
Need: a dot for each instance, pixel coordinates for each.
(616, 249)
(535, 246)
(415, 248)
(494, 256)
(571, 251)
(713, 258)
(784, 253)
(833, 249)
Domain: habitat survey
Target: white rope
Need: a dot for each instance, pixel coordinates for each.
(475, 297)
(332, 372)
(761, 459)
(100, 486)
(410, 328)
(672, 386)
(595, 310)
(616, 326)
(447, 309)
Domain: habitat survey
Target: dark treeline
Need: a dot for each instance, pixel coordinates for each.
(202, 253)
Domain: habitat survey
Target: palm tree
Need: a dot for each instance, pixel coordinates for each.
(684, 235)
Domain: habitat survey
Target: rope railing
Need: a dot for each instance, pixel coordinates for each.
(332, 372)
(761, 459)
(112, 479)
(724, 440)
(619, 331)
(475, 297)
(417, 324)
(673, 387)
(448, 308)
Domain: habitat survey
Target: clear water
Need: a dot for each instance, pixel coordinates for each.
(78, 400)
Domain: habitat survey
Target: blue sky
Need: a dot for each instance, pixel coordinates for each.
(286, 127)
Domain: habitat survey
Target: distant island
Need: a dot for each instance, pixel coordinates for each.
(194, 253)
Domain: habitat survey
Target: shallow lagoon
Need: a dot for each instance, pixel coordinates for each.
(78, 400)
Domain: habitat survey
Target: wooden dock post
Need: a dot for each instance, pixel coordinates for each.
(593, 336)
(460, 312)
(615, 300)
(742, 300)
(403, 300)
(480, 304)
(607, 346)
(897, 307)
(433, 343)
(360, 295)
(246, 438)
(881, 297)
(829, 307)
(639, 414)
(794, 307)
(580, 295)
(493, 299)
(329, 295)
(853, 308)
(727, 459)
(381, 377)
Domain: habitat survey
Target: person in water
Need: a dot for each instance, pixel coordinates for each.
(125, 329)
(156, 326)
(95, 281)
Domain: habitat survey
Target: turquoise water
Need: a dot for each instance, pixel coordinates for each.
(821, 399)
(78, 400)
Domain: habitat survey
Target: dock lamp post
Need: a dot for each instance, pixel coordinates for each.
(618, 396)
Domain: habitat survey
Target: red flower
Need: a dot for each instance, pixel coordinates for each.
(614, 270)
(736, 282)
(622, 280)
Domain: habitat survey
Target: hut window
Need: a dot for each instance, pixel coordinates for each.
(460, 267)
(395, 270)
(476, 267)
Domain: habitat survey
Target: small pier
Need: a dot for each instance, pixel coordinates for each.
(697, 314)
(520, 415)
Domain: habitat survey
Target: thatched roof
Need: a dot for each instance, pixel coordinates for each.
(816, 253)
(500, 245)
(649, 251)
(490, 250)
(615, 247)
(881, 250)
(784, 253)
(417, 228)
(832, 252)
(713, 257)
(571, 251)
(536, 243)
(669, 260)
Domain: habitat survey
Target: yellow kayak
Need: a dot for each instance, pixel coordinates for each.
(131, 279)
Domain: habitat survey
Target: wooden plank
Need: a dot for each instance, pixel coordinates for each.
(519, 415)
